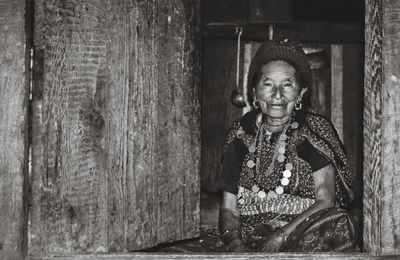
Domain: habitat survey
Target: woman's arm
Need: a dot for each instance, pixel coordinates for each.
(229, 224)
(324, 183)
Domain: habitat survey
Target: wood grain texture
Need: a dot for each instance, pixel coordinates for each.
(242, 256)
(381, 123)
(373, 126)
(116, 126)
(218, 113)
(69, 209)
(390, 221)
(13, 129)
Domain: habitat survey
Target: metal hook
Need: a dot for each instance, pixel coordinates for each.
(239, 30)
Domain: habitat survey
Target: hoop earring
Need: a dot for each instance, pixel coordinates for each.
(256, 104)
(298, 105)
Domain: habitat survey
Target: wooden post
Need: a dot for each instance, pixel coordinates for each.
(14, 93)
(116, 136)
(382, 128)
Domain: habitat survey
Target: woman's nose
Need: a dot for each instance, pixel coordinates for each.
(277, 94)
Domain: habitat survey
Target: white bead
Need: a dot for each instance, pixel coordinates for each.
(279, 190)
(284, 181)
(250, 164)
(287, 173)
(261, 194)
(255, 188)
(289, 166)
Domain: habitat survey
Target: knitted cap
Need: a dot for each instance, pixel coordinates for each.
(284, 50)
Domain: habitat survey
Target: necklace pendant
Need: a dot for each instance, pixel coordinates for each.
(281, 158)
(255, 188)
(287, 173)
(284, 181)
(289, 166)
(272, 194)
(279, 190)
(250, 164)
(252, 148)
(294, 125)
(261, 194)
(281, 150)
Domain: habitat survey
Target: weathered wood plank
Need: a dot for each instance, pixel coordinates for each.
(252, 256)
(13, 129)
(177, 136)
(390, 220)
(381, 128)
(69, 207)
(218, 113)
(117, 126)
(317, 33)
(373, 126)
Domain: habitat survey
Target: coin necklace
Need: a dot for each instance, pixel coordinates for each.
(279, 155)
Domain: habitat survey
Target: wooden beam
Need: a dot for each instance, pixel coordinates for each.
(382, 128)
(332, 33)
(14, 94)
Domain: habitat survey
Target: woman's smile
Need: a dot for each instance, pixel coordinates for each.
(278, 90)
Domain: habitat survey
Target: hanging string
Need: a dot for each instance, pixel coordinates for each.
(239, 31)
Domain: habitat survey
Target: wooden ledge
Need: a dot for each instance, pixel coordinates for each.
(244, 256)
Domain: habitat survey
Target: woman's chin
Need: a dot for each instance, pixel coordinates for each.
(276, 114)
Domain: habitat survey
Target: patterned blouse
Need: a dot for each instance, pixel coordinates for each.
(309, 146)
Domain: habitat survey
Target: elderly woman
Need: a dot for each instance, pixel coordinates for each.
(286, 178)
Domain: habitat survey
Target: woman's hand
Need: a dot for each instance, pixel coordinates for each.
(237, 246)
(274, 242)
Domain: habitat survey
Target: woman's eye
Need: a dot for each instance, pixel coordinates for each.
(268, 84)
(288, 85)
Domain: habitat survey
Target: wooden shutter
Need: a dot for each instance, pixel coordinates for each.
(116, 129)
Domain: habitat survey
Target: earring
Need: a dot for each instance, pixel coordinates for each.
(298, 105)
(255, 104)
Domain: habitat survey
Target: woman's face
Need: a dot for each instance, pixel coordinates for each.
(278, 89)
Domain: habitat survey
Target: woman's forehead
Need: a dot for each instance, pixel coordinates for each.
(278, 69)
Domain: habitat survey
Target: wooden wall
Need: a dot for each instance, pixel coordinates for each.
(13, 129)
(381, 128)
(116, 128)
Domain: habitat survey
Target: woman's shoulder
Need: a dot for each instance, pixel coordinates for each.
(320, 123)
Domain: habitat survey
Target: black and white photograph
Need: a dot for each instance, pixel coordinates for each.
(199, 129)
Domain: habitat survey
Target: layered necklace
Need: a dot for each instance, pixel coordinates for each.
(279, 154)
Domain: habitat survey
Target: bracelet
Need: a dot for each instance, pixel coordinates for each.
(285, 236)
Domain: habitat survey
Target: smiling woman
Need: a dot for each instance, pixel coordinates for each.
(286, 178)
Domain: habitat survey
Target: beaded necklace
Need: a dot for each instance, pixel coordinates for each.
(278, 155)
